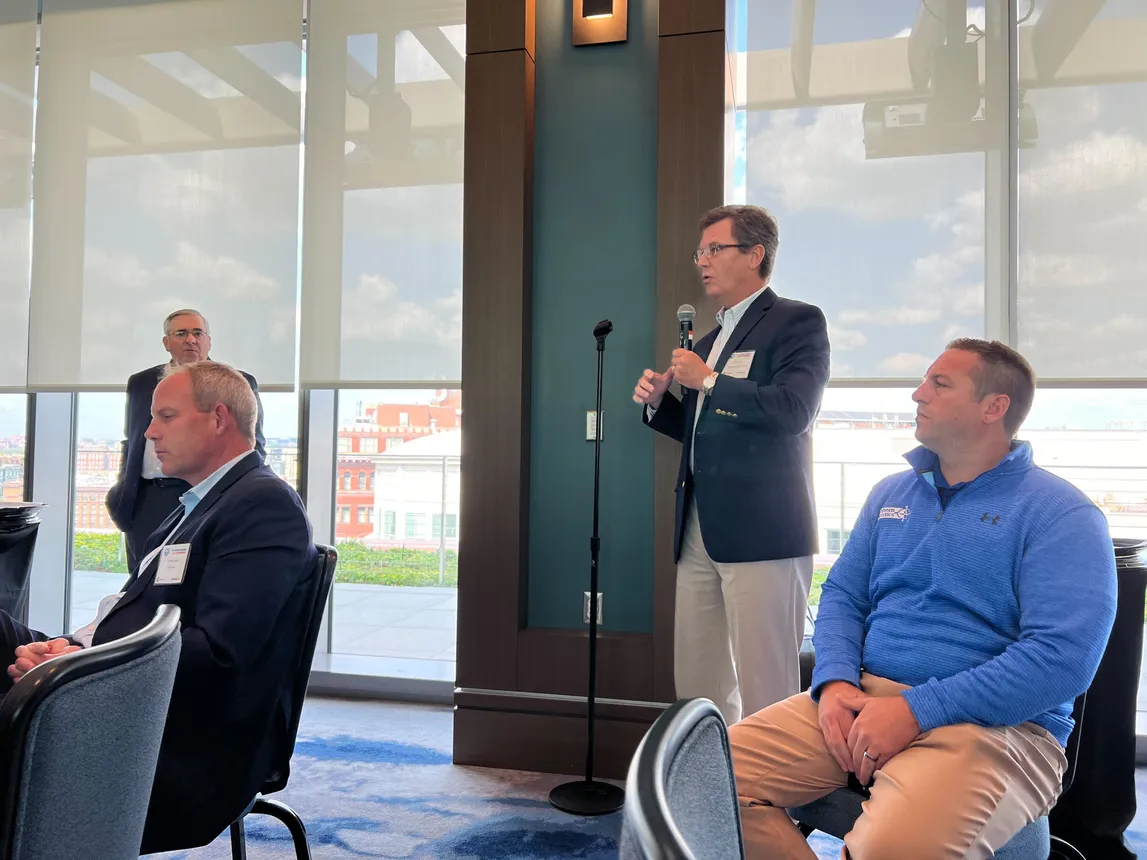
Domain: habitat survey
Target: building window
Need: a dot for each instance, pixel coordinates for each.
(369, 445)
(362, 514)
(414, 524)
(346, 480)
(451, 526)
(389, 524)
(403, 419)
(370, 481)
(370, 515)
(362, 480)
(344, 513)
(837, 538)
(344, 444)
(393, 442)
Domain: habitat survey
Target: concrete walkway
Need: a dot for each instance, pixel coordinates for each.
(372, 620)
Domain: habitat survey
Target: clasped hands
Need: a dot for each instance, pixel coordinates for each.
(864, 732)
(29, 656)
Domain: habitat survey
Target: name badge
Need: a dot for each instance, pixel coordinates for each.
(739, 363)
(172, 564)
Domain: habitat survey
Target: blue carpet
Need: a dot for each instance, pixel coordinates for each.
(375, 780)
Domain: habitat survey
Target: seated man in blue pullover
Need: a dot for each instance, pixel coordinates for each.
(969, 608)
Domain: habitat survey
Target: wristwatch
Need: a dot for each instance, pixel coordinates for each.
(708, 382)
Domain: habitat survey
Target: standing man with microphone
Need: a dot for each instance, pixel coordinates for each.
(745, 529)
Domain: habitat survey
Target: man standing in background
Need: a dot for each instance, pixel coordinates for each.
(745, 529)
(142, 496)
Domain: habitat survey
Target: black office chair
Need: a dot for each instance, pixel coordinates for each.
(325, 564)
(681, 797)
(84, 730)
(837, 812)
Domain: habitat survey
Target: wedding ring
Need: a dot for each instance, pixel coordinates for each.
(867, 756)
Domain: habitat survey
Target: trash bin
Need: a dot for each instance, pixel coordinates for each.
(1100, 805)
(19, 522)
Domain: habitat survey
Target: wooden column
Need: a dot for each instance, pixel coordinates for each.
(691, 112)
(520, 698)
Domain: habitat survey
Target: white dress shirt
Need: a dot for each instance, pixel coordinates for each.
(189, 500)
(727, 319)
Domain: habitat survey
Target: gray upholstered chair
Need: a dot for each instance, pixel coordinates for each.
(681, 798)
(79, 742)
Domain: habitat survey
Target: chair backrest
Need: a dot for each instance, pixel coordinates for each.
(79, 742)
(1072, 751)
(681, 801)
(325, 562)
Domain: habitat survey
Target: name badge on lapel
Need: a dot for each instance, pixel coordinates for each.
(739, 363)
(172, 564)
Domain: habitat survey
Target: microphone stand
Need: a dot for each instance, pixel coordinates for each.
(590, 796)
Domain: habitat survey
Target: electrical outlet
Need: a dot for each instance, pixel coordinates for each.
(585, 607)
(591, 430)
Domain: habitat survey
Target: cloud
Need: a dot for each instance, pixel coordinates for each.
(845, 339)
(905, 364)
(224, 276)
(125, 271)
(372, 310)
(890, 316)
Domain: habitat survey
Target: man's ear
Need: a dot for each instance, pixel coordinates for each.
(996, 407)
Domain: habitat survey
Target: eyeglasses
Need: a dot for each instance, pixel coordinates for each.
(184, 333)
(714, 249)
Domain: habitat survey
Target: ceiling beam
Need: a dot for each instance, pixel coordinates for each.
(138, 76)
(358, 80)
(800, 62)
(447, 56)
(242, 73)
(114, 118)
(1058, 30)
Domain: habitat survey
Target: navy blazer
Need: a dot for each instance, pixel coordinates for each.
(244, 598)
(753, 482)
(120, 500)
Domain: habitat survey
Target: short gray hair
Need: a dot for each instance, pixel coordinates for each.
(213, 383)
(184, 312)
(752, 226)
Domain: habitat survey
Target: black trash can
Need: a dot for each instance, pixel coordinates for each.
(1100, 805)
(19, 523)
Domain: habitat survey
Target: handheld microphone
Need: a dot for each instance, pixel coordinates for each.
(602, 329)
(685, 315)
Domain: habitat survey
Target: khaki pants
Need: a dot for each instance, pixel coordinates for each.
(737, 627)
(958, 791)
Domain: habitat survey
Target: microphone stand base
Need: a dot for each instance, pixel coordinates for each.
(587, 798)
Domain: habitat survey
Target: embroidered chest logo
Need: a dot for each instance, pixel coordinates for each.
(990, 519)
(893, 514)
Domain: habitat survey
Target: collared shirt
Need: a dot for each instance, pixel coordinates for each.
(727, 319)
(190, 499)
(152, 468)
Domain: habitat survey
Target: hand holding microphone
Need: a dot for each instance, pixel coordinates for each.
(687, 368)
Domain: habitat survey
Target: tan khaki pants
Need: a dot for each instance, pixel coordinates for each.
(956, 792)
(737, 627)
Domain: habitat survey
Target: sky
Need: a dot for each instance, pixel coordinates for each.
(892, 249)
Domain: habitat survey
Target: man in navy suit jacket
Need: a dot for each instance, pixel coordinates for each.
(745, 529)
(240, 565)
(143, 496)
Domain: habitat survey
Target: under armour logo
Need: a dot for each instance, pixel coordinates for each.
(993, 519)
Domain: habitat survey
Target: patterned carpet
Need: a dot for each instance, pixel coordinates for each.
(375, 780)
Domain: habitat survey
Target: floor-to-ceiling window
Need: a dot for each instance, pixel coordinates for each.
(946, 168)
(332, 267)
